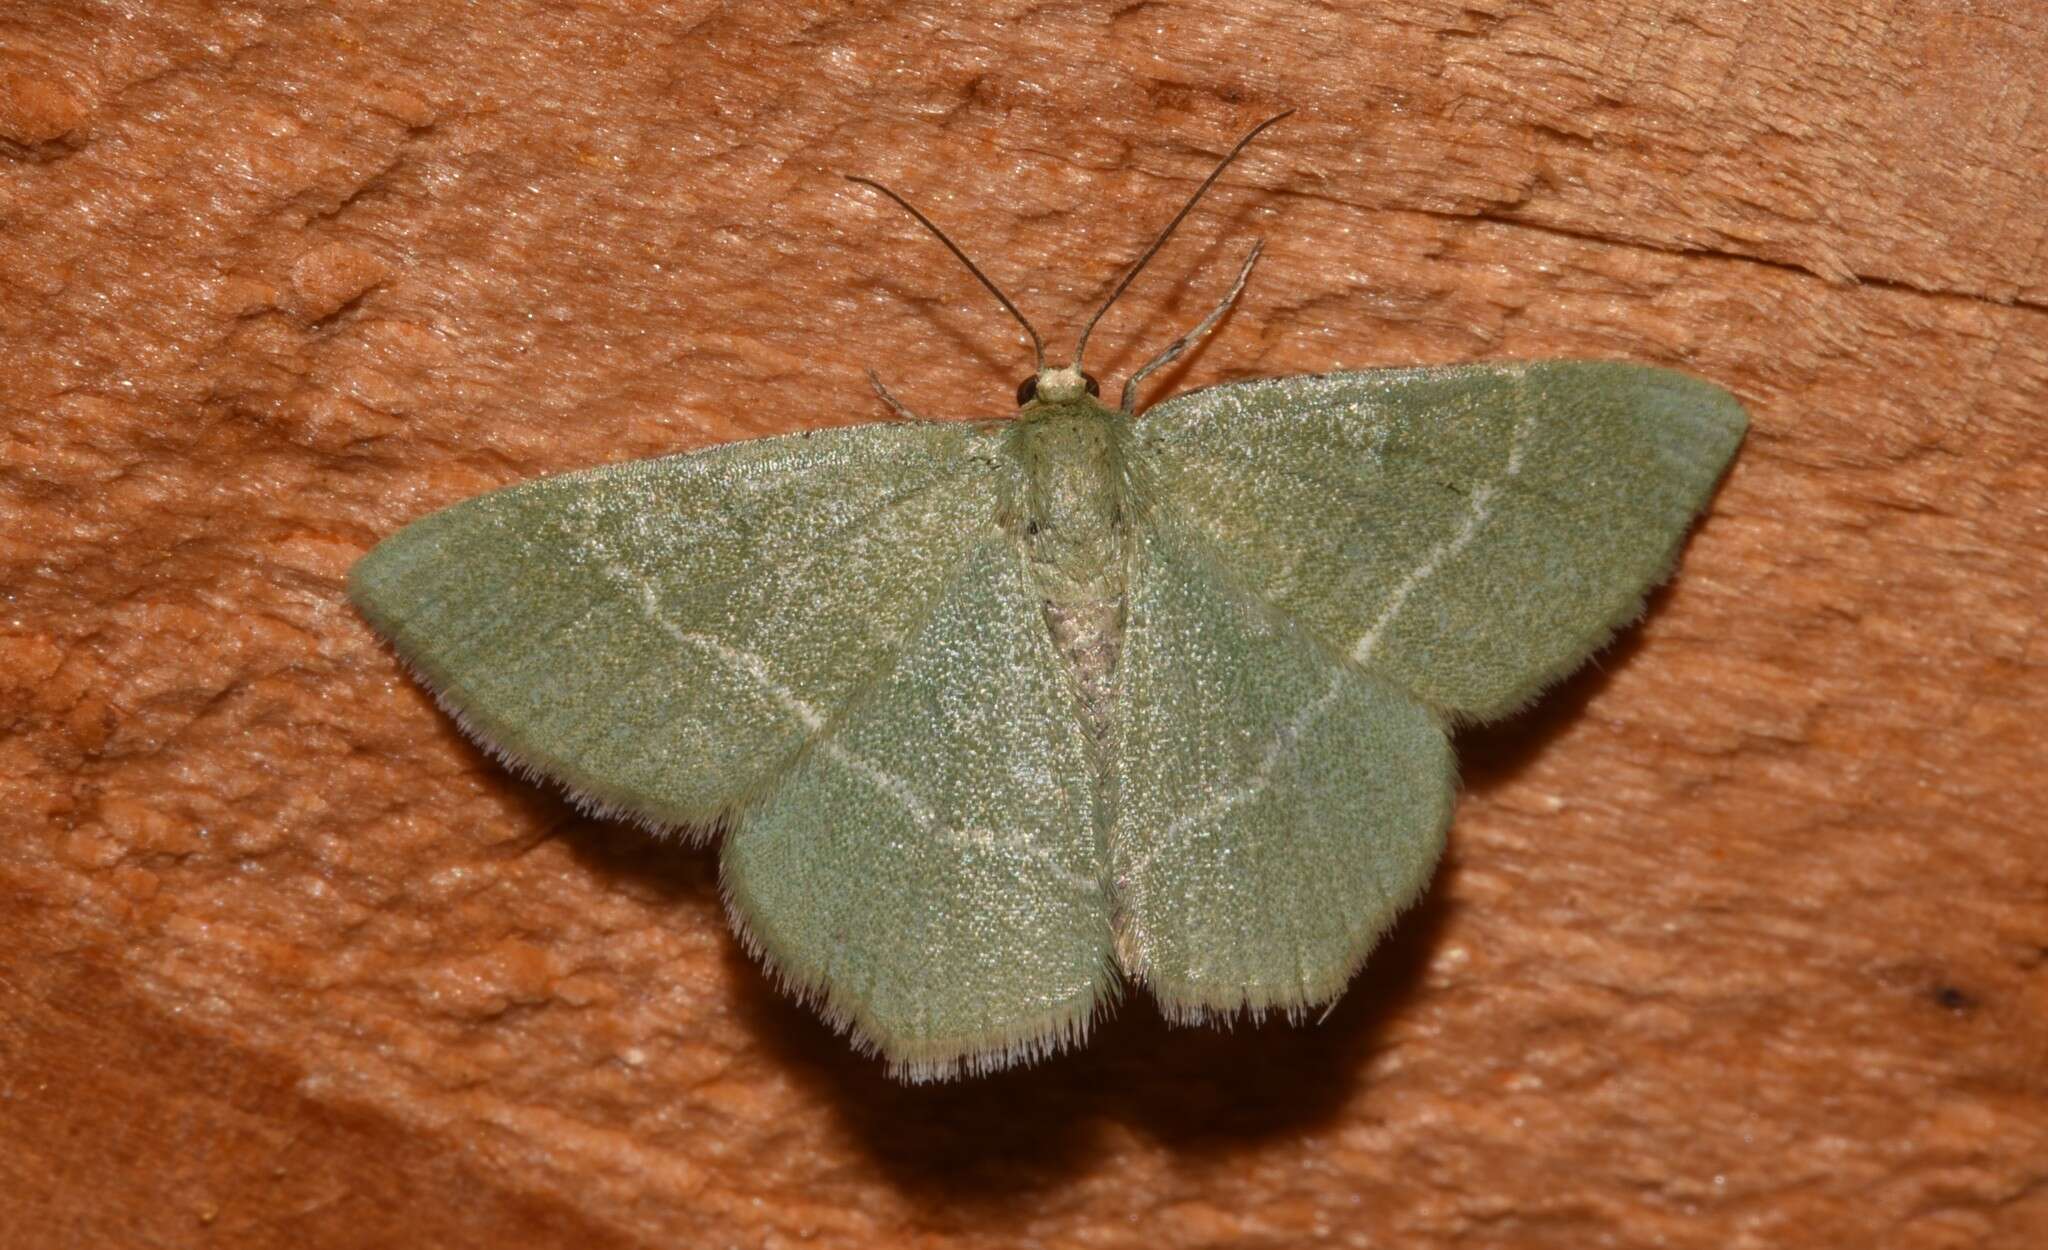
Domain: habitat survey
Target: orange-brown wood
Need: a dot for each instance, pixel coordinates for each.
(1743, 938)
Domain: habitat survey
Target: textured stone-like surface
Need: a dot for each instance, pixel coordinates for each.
(1743, 940)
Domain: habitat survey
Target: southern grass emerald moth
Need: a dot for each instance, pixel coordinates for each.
(1000, 717)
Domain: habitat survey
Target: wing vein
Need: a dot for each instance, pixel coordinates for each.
(1285, 738)
(738, 659)
(1478, 510)
(1013, 847)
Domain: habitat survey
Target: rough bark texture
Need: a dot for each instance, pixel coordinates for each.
(1743, 940)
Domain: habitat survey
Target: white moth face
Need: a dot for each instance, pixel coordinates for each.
(1062, 385)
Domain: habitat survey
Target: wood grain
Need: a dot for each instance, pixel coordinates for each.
(1743, 940)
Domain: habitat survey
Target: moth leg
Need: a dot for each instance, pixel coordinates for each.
(895, 405)
(1185, 341)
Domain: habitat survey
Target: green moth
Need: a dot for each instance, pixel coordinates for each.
(1001, 717)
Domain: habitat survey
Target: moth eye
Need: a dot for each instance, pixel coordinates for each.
(1093, 387)
(1027, 390)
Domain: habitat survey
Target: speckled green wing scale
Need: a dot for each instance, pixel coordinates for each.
(1471, 533)
(660, 637)
(998, 717)
(1276, 807)
(931, 869)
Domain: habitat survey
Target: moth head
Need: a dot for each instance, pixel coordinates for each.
(1056, 386)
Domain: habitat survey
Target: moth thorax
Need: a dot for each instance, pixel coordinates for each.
(1074, 487)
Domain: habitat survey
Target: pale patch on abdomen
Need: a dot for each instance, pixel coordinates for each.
(1090, 635)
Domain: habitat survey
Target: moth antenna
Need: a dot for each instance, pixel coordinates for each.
(1037, 343)
(1167, 233)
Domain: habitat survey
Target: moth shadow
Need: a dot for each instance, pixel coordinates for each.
(960, 337)
(624, 857)
(989, 1145)
(1190, 298)
(1494, 755)
(617, 853)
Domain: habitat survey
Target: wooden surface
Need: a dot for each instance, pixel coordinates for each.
(1743, 937)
